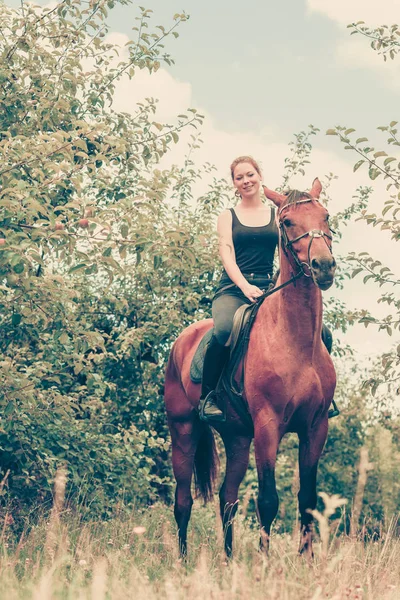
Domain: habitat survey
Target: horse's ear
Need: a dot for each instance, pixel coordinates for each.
(274, 196)
(316, 188)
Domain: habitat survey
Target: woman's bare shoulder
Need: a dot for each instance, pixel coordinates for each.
(224, 223)
(225, 216)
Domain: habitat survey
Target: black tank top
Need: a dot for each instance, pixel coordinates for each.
(254, 248)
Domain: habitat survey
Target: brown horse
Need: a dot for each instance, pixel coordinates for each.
(289, 382)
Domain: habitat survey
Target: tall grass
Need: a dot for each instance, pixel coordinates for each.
(136, 556)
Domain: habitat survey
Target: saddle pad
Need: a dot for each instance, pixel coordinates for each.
(196, 368)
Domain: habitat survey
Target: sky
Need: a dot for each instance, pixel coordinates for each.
(262, 71)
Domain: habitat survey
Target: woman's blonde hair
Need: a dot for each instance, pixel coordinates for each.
(244, 159)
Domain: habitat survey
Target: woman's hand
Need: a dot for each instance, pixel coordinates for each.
(252, 292)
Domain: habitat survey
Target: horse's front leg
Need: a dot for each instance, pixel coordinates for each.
(237, 460)
(266, 441)
(310, 448)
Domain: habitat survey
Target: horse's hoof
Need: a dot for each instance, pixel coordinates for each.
(305, 552)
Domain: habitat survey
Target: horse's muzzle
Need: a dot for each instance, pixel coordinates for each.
(323, 272)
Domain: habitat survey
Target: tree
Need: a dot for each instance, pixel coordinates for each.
(381, 162)
(81, 204)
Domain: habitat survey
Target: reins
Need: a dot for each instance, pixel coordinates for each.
(241, 348)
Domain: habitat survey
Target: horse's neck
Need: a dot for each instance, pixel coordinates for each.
(296, 310)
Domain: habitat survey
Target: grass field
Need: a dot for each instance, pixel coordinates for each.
(136, 557)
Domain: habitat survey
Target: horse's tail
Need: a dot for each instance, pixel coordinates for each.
(206, 463)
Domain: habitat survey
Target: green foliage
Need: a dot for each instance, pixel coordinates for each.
(300, 153)
(379, 163)
(382, 162)
(90, 257)
(385, 39)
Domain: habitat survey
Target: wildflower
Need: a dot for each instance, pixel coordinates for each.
(139, 530)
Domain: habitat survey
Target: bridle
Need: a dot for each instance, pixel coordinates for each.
(287, 244)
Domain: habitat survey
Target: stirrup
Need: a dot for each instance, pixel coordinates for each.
(333, 412)
(208, 409)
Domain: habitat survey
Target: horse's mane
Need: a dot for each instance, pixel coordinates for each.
(294, 196)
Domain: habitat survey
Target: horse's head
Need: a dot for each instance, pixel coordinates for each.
(305, 234)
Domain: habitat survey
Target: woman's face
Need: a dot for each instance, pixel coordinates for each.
(246, 180)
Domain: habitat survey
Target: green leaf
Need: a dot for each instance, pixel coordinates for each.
(79, 143)
(16, 319)
(9, 408)
(358, 165)
(64, 338)
(77, 267)
(388, 160)
(356, 271)
(19, 268)
(373, 173)
(367, 277)
(361, 139)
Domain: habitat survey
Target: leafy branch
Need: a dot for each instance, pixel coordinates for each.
(385, 39)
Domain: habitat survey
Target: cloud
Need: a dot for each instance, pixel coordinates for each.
(173, 96)
(349, 11)
(220, 147)
(355, 52)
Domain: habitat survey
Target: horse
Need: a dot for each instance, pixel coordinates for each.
(289, 383)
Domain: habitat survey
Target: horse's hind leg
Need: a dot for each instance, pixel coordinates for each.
(184, 438)
(237, 460)
(310, 449)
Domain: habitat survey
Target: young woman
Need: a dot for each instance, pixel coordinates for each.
(248, 237)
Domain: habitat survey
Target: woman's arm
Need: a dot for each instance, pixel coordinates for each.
(227, 254)
(226, 248)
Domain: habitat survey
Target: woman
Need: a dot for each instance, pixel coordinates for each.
(248, 237)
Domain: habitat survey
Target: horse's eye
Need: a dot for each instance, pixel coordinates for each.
(287, 223)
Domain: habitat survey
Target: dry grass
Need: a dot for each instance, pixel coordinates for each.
(137, 557)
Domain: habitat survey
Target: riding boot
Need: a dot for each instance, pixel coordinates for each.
(214, 361)
(327, 339)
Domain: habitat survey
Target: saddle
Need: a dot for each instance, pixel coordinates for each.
(238, 343)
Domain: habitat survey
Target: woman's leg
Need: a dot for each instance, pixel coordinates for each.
(217, 354)
(223, 311)
(327, 337)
